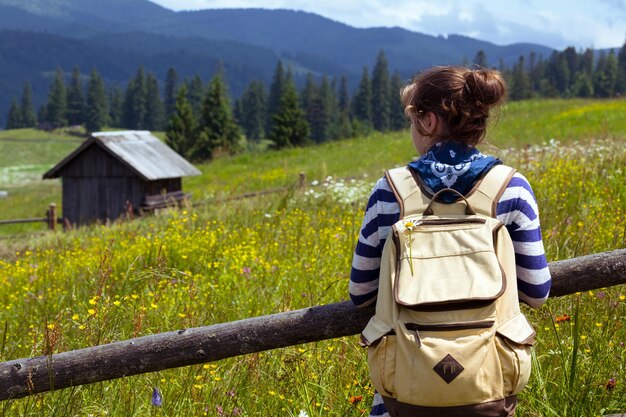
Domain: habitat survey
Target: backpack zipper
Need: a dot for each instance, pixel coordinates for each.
(444, 222)
(416, 328)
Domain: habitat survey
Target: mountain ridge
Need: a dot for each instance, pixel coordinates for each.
(248, 42)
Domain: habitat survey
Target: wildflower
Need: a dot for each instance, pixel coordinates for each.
(303, 414)
(220, 410)
(610, 384)
(410, 226)
(236, 412)
(354, 400)
(601, 295)
(157, 400)
(563, 318)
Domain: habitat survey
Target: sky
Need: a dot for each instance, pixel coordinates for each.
(554, 23)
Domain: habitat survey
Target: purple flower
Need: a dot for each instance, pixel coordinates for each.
(157, 400)
(236, 412)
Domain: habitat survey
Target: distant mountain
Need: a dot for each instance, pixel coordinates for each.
(117, 36)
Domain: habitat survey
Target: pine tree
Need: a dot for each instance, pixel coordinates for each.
(218, 129)
(557, 72)
(116, 106)
(97, 113)
(605, 75)
(254, 110)
(27, 110)
(182, 128)
(520, 88)
(344, 123)
(331, 104)
(320, 121)
(14, 120)
(42, 114)
(75, 100)
(195, 95)
(314, 110)
(620, 80)
(362, 101)
(169, 99)
(134, 112)
(583, 86)
(586, 62)
(572, 61)
(480, 59)
(275, 94)
(289, 127)
(155, 111)
(57, 101)
(380, 94)
(398, 120)
(344, 94)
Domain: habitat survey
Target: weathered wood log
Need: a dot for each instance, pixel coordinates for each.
(22, 377)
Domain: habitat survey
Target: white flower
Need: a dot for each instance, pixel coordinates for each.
(303, 414)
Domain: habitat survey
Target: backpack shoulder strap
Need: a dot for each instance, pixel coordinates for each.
(486, 193)
(483, 197)
(405, 187)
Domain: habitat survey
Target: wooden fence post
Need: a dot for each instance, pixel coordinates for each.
(302, 180)
(52, 216)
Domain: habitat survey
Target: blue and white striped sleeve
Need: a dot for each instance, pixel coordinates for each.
(517, 209)
(381, 213)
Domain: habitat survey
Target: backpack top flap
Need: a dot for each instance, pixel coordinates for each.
(447, 261)
(409, 191)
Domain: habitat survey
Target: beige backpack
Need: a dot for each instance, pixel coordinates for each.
(448, 331)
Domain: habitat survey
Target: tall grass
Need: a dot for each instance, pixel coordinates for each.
(218, 263)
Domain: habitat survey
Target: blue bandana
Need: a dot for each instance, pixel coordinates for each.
(452, 165)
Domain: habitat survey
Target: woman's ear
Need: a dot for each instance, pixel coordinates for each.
(430, 122)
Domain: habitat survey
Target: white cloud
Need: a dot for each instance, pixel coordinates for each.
(556, 23)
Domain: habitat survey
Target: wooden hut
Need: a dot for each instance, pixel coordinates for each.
(114, 173)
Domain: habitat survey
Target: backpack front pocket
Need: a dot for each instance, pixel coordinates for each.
(447, 366)
(381, 357)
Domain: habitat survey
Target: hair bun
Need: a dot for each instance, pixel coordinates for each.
(485, 87)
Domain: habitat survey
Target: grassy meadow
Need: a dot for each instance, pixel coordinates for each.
(236, 259)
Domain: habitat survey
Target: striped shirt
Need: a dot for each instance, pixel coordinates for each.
(516, 209)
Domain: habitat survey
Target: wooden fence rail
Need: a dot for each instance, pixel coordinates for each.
(51, 218)
(22, 377)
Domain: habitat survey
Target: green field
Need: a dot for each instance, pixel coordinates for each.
(242, 258)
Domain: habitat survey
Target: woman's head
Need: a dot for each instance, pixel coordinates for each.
(458, 98)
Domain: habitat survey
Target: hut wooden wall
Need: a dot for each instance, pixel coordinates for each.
(97, 187)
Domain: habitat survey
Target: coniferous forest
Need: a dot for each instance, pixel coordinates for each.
(200, 117)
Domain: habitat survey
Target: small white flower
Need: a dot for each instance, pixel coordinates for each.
(303, 414)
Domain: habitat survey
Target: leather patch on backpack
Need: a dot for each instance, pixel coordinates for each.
(448, 368)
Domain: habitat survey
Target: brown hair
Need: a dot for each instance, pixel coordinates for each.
(461, 97)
